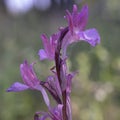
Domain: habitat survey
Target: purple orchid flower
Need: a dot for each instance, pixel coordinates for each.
(30, 82)
(77, 22)
(29, 78)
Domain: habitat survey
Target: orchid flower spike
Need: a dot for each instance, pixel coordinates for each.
(59, 84)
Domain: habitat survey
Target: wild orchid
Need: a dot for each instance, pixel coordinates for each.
(60, 82)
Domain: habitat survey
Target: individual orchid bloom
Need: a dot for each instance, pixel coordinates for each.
(77, 22)
(29, 78)
(30, 81)
(53, 114)
(49, 47)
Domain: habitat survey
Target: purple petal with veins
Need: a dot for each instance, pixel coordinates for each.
(91, 36)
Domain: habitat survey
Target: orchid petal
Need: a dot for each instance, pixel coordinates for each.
(70, 21)
(28, 75)
(46, 43)
(91, 36)
(17, 87)
(77, 20)
(82, 18)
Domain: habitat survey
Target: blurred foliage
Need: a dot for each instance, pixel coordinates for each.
(96, 89)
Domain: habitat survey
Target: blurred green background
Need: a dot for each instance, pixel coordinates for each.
(96, 89)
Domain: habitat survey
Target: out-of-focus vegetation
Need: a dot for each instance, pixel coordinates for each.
(96, 89)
